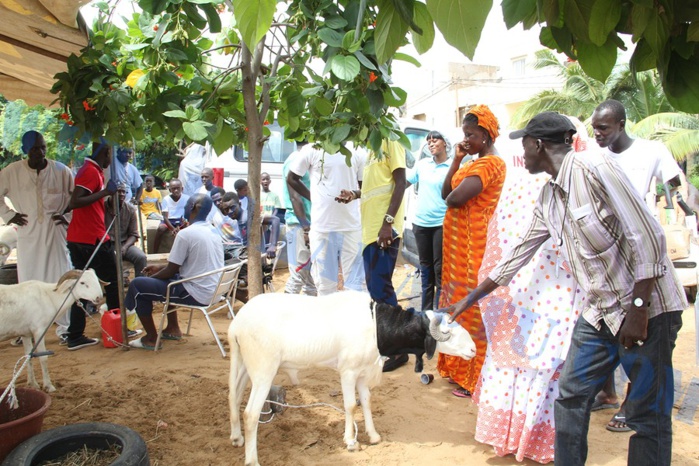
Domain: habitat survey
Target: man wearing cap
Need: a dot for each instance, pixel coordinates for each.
(617, 254)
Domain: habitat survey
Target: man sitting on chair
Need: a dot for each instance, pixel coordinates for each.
(196, 250)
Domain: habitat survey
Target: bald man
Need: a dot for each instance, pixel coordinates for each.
(196, 250)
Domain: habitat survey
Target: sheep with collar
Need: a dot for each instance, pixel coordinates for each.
(28, 308)
(344, 331)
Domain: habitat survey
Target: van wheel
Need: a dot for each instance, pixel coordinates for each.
(691, 293)
(54, 443)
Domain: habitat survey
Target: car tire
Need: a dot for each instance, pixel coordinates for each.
(54, 443)
(691, 294)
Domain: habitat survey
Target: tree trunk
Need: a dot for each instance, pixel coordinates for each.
(255, 144)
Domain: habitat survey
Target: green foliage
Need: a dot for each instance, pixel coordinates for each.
(664, 32)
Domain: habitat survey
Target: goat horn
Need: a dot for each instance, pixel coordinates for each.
(69, 275)
(436, 333)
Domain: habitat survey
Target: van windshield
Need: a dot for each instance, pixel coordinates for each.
(275, 150)
(416, 136)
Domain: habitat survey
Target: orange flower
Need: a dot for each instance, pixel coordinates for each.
(87, 106)
(65, 116)
(155, 28)
(372, 77)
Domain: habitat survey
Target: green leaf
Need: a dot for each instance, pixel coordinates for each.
(335, 22)
(577, 18)
(395, 96)
(390, 32)
(408, 58)
(680, 83)
(364, 60)
(604, 17)
(254, 19)
(375, 140)
(195, 130)
(460, 22)
(639, 20)
(422, 17)
(643, 58)
(224, 140)
(552, 13)
(323, 106)
(200, 2)
(597, 62)
(330, 37)
(657, 33)
(340, 134)
(311, 91)
(348, 40)
(213, 17)
(345, 67)
(176, 114)
(376, 101)
(517, 11)
(295, 103)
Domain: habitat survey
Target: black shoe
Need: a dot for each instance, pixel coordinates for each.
(81, 342)
(394, 362)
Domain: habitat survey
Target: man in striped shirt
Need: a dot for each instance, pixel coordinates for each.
(617, 252)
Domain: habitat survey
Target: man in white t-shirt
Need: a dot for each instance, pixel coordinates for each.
(196, 250)
(172, 209)
(640, 160)
(336, 232)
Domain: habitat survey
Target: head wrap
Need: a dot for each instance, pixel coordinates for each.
(486, 120)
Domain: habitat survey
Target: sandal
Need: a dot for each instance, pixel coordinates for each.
(461, 392)
(599, 405)
(620, 418)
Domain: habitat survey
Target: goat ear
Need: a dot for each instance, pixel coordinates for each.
(103, 283)
(430, 346)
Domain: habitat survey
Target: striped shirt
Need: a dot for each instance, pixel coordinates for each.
(610, 239)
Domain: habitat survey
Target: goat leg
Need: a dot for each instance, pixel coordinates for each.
(365, 399)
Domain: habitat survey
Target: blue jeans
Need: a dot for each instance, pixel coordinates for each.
(429, 250)
(378, 269)
(143, 291)
(592, 357)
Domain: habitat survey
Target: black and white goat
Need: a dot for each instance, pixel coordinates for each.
(343, 331)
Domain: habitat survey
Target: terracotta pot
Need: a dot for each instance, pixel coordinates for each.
(17, 425)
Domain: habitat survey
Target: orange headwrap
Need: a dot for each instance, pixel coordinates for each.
(486, 120)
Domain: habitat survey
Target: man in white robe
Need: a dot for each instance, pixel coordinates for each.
(39, 190)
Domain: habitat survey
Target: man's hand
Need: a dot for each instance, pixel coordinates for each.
(457, 308)
(385, 236)
(111, 187)
(306, 237)
(124, 249)
(634, 328)
(346, 196)
(150, 270)
(59, 219)
(19, 219)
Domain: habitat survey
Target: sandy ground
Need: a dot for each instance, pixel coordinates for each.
(185, 386)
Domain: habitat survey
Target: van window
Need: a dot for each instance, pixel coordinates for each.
(275, 150)
(416, 136)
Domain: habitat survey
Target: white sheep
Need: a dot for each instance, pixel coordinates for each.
(28, 308)
(8, 241)
(344, 331)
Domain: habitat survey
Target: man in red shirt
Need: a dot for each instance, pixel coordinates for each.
(85, 233)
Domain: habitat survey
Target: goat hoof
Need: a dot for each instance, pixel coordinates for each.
(374, 439)
(238, 442)
(49, 388)
(352, 446)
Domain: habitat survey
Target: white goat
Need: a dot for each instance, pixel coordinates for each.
(26, 309)
(292, 332)
(8, 241)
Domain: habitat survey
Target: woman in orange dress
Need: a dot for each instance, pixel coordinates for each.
(471, 192)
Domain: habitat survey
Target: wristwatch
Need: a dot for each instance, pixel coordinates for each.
(389, 219)
(638, 302)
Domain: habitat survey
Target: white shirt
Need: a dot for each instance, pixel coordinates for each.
(197, 250)
(644, 160)
(174, 209)
(329, 175)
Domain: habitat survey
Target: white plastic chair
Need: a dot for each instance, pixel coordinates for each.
(224, 297)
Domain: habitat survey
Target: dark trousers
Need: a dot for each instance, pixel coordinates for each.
(143, 291)
(429, 249)
(593, 355)
(378, 270)
(104, 265)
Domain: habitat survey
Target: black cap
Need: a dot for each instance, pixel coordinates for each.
(550, 126)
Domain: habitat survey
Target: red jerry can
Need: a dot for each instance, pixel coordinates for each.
(111, 328)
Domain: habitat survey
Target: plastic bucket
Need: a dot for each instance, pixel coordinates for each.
(17, 425)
